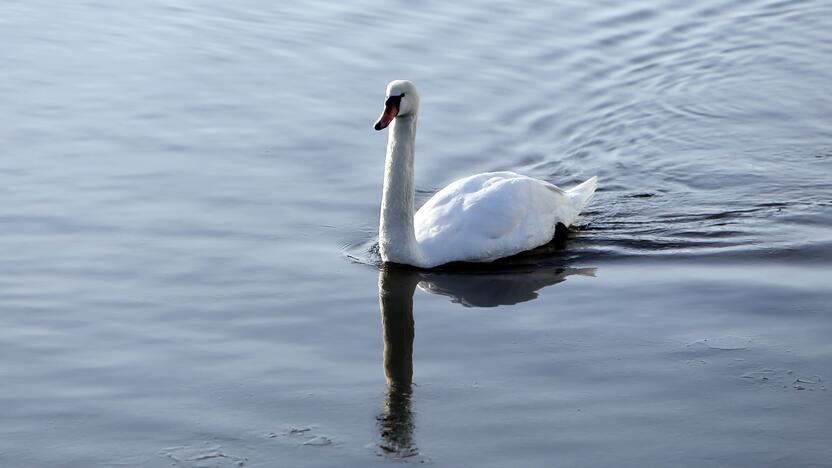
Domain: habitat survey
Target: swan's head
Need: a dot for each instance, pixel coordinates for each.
(402, 99)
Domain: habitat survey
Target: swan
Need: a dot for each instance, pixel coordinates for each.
(478, 218)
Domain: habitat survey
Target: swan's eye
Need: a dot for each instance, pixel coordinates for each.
(395, 100)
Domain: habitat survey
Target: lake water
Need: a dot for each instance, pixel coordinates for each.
(190, 194)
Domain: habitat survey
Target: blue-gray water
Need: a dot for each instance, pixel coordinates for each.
(189, 197)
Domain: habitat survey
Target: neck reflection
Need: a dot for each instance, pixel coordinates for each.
(480, 288)
(395, 294)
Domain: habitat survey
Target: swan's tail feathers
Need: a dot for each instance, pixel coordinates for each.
(582, 193)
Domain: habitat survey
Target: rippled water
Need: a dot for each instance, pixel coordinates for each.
(189, 205)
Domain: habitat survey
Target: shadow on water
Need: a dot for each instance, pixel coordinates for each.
(396, 286)
(497, 287)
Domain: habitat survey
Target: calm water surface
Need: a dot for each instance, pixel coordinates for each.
(190, 196)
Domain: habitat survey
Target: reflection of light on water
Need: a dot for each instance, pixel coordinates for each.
(395, 292)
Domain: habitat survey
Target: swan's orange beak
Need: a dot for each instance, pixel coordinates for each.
(390, 112)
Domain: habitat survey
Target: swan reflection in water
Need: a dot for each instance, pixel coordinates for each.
(396, 286)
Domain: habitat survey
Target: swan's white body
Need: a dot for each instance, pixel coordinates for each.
(475, 219)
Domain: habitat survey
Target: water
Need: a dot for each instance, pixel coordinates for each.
(190, 200)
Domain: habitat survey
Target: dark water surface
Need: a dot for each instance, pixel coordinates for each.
(190, 196)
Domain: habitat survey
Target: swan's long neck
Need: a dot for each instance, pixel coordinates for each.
(397, 238)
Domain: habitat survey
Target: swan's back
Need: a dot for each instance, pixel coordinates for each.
(492, 215)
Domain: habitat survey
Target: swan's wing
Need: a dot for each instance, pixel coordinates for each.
(488, 216)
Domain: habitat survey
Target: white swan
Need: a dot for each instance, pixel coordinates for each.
(479, 218)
